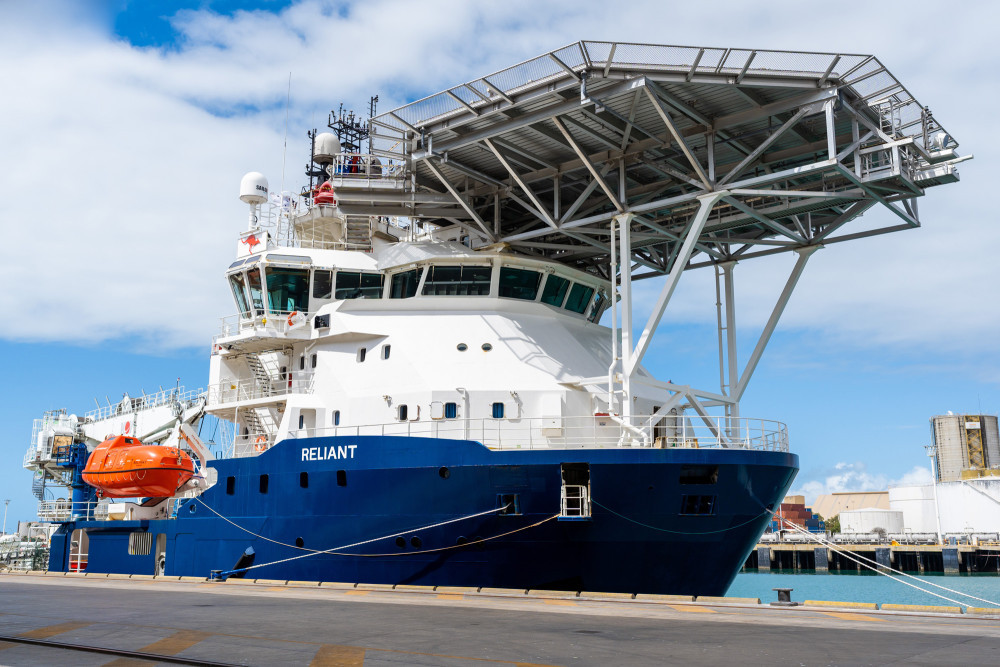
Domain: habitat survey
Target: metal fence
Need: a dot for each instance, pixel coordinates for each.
(587, 432)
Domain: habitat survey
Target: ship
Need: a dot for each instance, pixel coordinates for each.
(436, 373)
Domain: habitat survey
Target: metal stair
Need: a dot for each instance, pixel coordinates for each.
(262, 379)
(358, 233)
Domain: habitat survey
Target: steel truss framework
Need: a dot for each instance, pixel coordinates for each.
(672, 157)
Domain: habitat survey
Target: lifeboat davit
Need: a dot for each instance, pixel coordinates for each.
(123, 467)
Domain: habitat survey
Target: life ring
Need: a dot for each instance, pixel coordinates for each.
(291, 316)
(260, 444)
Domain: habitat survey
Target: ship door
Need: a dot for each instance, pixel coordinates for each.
(575, 496)
(161, 555)
(79, 543)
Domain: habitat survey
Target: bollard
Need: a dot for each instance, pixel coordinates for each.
(784, 598)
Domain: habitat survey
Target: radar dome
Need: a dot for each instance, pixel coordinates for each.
(326, 147)
(253, 188)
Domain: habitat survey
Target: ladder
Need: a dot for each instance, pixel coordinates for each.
(358, 233)
(262, 378)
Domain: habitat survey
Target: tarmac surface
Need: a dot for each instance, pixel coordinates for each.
(242, 623)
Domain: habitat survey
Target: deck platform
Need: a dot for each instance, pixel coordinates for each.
(303, 623)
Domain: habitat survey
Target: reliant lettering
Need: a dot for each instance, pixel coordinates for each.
(331, 452)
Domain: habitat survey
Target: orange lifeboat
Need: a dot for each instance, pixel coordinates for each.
(123, 467)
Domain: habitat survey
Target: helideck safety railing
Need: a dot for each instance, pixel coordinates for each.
(586, 432)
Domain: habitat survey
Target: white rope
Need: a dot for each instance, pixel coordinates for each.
(333, 550)
(880, 568)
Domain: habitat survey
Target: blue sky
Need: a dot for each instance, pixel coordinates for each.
(132, 122)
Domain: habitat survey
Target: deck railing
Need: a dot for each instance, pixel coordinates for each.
(249, 389)
(586, 432)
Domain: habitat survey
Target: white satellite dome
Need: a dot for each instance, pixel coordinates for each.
(253, 188)
(327, 146)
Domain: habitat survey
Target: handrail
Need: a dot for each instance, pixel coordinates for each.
(248, 389)
(581, 432)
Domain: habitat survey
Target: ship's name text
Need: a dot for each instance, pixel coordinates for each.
(331, 452)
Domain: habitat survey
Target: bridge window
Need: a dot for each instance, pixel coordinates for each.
(519, 283)
(238, 284)
(287, 289)
(595, 310)
(256, 293)
(357, 285)
(579, 298)
(458, 281)
(404, 285)
(555, 290)
(322, 284)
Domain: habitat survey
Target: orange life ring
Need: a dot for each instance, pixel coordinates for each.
(292, 315)
(260, 444)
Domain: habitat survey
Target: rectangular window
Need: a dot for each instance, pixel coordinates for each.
(336, 417)
(357, 285)
(698, 505)
(322, 284)
(498, 409)
(302, 362)
(341, 478)
(287, 289)
(304, 480)
(302, 421)
(385, 351)
(450, 410)
(404, 285)
(699, 474)
(231, 486)
(313, 360)
(555, 290)
(595, 310)
(263, 483)
(579, 298)
(401, 413)
(519, 283)
(238, 284)
(362, 353)
(256, 292)
(458, 281)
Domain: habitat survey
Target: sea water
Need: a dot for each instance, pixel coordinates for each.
(872, 587)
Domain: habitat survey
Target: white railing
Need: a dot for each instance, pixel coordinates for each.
(587, 432)
(249, 389)
(363, 166)
(145, 402)
(67, 510)
(575, 501)
(264, 326)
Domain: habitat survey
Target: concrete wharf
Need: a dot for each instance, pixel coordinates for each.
(917, 558)
(83, 620)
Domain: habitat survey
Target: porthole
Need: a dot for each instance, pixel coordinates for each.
(416, 542)
(444, 472)
(487, 347)
(462, 539)
(462, 347)
(299, 542)
(401, 542)
(192, 508)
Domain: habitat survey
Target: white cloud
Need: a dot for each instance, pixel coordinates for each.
(120, 164)
(855, 477)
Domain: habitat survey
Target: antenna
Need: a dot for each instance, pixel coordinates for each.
(284, 150)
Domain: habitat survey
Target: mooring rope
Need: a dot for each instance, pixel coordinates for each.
(336, 551)
(679, 532)
(879, 569)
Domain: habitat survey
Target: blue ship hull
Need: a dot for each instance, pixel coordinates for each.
(650, 531)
